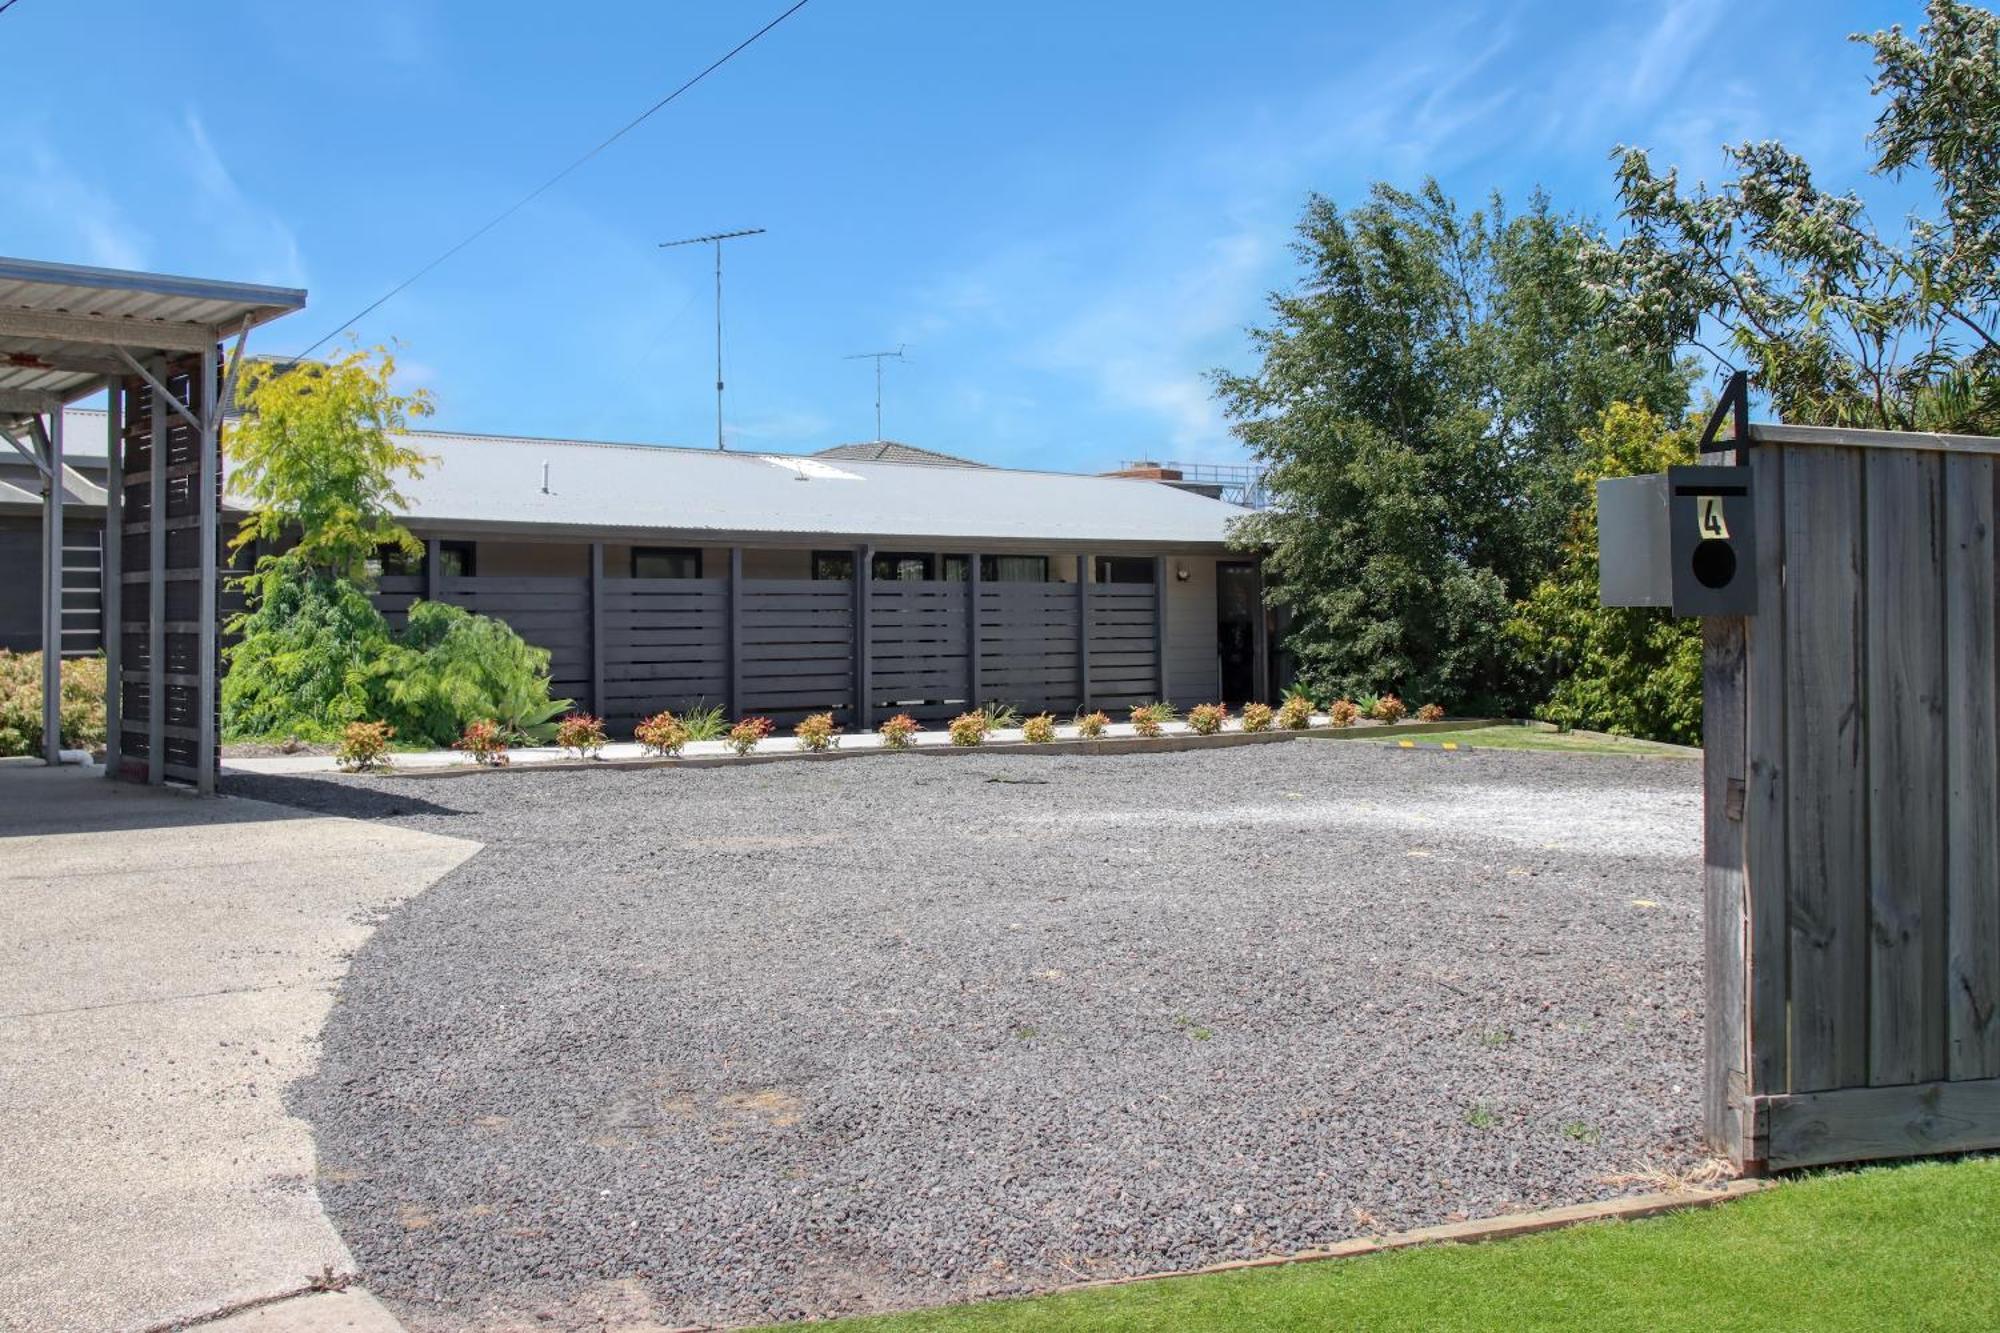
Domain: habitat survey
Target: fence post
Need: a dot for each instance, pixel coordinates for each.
(597, 629)
(863, 558)
(1083, 632)
(972, 685)
(735, 631)
(1260, 689)
(433, 574)
(1160, 625)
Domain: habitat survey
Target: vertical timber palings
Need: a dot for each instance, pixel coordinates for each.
(1724, 692)
(597, 705)
(208, 483)
(735, 632)
(1160, 576)
(1972, 706)
(1083, 632)
(974, 688)
(864, 557)
(111, 576)
(156, 586)
(1766, 810)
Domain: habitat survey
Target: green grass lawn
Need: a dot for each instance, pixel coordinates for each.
(1908, 1247)
(1531, 738)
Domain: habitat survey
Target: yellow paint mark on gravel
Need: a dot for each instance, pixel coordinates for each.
(1644, 903)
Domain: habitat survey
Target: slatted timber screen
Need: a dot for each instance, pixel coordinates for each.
(919, 648)
(1028, 646)
(82, 590)
(797, 640)
(1124, 645)
(167, 536)
(1853, 824)
(666, 645)
(550, 613)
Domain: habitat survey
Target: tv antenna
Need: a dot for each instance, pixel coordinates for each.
(878, 358)
(716, 239)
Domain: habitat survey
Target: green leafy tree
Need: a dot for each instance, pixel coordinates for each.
(1838, 323)
(1633, 671)
(1418, 406)
(316, 455)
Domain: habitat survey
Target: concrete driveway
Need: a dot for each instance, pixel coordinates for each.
(166, 964)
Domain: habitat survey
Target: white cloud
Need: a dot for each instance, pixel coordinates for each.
(75, 216)
(250, 238)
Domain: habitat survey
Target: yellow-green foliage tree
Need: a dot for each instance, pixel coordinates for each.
(1632, 671)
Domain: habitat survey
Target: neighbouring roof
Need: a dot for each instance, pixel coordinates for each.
(60, 323)
(894, 451)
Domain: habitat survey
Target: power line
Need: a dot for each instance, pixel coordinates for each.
(546, 185)
(6, 5)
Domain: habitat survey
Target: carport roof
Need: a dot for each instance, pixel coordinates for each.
(62, 325)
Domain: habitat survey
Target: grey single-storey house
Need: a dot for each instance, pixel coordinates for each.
(867, 579)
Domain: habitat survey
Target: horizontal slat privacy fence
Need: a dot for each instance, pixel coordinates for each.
(788, 647)
(1853, 923)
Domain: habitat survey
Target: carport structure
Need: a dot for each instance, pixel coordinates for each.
(153, 345)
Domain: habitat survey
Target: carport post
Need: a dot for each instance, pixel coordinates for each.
(111, 574)
(209, 475)
(52, 575)
(156, 592)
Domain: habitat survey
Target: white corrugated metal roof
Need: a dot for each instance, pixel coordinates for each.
(68, 317)
(487, 480)
(484, 481)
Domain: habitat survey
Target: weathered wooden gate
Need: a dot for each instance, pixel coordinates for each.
(1852, 923)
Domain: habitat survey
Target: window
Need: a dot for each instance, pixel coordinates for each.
(1124, 569)
(666, 562)
(900, 566)
(1014, 569)
(957, 569)
(455, 560)
(833, 565)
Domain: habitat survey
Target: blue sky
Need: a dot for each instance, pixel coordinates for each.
(1069, 212)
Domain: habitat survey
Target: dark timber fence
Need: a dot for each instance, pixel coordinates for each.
(1853, 826)
(784, 648)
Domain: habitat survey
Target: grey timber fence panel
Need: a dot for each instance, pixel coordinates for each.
(551, 613)
(917, 648)
(1124, 645)
(1028, 641)
(798, 648)
(1864, 806)
(666, 645)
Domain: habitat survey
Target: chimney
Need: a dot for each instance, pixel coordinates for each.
(1144, 470)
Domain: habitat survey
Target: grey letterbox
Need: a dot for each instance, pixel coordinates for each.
(1684, 538)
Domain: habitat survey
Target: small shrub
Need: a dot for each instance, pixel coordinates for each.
(1366, 703)
(1430, 713)
(1207, 719)
(1151, 719)
(1091, 725)
(706, 724)
(1256, 717)
(1296, 712)
(969, 729)
(662, 734)
(82, 703)
(899, 731)
(817, 733)
(582, 733)
(743, 737)
(1039, 729)
(1000, 717)
(364, 745)
(484, 742)
(1343, 712)
(1388, 708)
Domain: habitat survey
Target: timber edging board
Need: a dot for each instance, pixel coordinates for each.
(1864, 1124)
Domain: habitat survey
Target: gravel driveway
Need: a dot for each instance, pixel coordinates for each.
(802, 1039)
